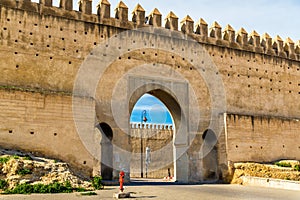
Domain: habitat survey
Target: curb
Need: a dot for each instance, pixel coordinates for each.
(270, 182)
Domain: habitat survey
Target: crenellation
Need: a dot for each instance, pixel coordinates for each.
(171, 21)
(254, 40)
(278, 46)
(187, 25)
(297, 49)
(138, 15)
(155, 18)
(216, 31)
(121, 12)
(85, 6)
(266, 42)
(202, 28)
(136, 125)
(289, 48)
(242, 37)
(27, 5)
(66, 4)
(229, 34)
(48, 3)
(103, 9)
(228, 38)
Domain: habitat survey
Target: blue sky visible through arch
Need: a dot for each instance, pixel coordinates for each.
(156, 111)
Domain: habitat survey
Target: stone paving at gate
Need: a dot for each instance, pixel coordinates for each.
(168, 192)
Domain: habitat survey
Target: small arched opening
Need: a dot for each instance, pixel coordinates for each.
(210, 161)
(106, 151)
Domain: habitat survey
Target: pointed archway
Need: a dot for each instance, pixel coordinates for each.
(171, 67)
(152, 129)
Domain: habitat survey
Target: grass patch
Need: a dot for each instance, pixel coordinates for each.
(55, 187)
(297, 168)
(97, 183)
(3, 184)
(23, 171)
(27, 158)
(283, 164)
(4, 159)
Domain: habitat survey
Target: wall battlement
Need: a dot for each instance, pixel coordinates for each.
(200, 31)
(151, 126)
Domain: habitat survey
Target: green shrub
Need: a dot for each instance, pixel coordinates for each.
(3, 184)
(24, 171)
(27, 158)
(283, 164)
(97, 183)
(55, 187)
(16, 157)
(4, 159)
(297, 167)
(80, 189)
(20, 189)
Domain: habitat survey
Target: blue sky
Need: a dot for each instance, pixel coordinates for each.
(156, 111)
(276, 17)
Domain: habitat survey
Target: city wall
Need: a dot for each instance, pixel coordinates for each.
(42, 48)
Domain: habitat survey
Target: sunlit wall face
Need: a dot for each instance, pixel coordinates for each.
(153, 109)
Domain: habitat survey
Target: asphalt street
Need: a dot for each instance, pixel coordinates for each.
(170, 192)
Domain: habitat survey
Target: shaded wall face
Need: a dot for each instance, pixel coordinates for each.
(44, 125)
(262, 139)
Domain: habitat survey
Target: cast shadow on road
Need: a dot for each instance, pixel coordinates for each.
(143, 197)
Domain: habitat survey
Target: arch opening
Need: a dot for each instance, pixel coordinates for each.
(210, 161)
(106, 151)
(152, 135)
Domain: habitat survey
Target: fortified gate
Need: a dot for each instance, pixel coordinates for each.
(70, 79)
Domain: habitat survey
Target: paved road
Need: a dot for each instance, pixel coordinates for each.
(180, 192)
